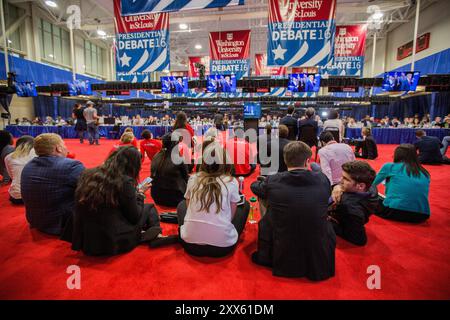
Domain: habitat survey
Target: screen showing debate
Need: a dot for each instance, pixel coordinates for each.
(26, 89)
(401, 81)
(172, 84)
(252, 110)
(221, 83)
(304, 82)
(80, 87)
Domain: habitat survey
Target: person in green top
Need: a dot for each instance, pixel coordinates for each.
(407, 187)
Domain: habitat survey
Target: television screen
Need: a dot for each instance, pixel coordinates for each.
(304, 82)
(26, 89)
(171, 84)
(401, 81)
(80, 87)
(252, 110)
(221, 83)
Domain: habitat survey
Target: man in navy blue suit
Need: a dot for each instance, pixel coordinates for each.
(226, 84)
(179, 88)
(310, 83)
(48, 185)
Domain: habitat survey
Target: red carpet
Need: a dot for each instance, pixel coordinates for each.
(414, 259)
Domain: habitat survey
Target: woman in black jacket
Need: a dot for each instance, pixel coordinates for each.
(169, 179)
(80, 125)
(110, 215)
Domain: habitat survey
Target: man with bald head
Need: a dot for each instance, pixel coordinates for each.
(48, 184)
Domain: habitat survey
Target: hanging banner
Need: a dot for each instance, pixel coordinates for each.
(261, 68)
(349, 47)
(142, 45)
(193, 70)
(130, 7)
(301, 32)
(229, 52)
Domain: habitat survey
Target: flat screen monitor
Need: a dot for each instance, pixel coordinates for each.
(80, 87)
(304, 82)
(252, 110)
(171, 84)
(401, 81)
(221, 83)
(26, 89)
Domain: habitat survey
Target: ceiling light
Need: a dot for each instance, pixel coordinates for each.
(9, 41)
(377, 16)
(183, 26)
(101, 33)
(51, 3)
(198, 46)
(50, 55)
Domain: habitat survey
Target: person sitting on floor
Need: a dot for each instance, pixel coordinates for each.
(149, 146)
(429, 149)
(125, 140)
(355, 201)
(6, 147)
(407, 187)
(110, 215)
(48, 184)
(210, 219)
(240, 153)
(15, 162)
(367, 144)
(169, 179)
(295, 237)
(278, 147)
(332, 156)
(134, 142)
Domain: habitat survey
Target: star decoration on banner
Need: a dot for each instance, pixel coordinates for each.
(125, 60)
(279, 52)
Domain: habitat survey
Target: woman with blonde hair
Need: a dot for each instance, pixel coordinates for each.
(134, 141)
(125, 140)
(210, 218)
(15, 162)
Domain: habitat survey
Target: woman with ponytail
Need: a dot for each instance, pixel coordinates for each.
(210, 218)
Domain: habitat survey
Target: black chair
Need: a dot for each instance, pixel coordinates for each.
(335, 133)
(114, 133)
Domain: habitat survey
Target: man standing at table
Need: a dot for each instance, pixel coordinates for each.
(90, 114)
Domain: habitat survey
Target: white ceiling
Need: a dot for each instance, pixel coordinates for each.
(253, 15)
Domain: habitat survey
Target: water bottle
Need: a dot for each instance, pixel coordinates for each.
(241, 185)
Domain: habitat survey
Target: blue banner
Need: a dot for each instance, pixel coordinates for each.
(345, 66)
(130, 7)
(239, 67)
(301, 33)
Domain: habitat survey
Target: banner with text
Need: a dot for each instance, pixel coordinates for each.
(261, 68)
(348, 51)
(193, 70)
(142, 45)
(301, 32)
(130, 7)
(229, 53)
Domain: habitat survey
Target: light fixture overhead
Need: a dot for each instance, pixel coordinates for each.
(51, 3)
(101, 33)
(50, 55)
(377, 16)
(198, 46)
(183, 26)
(9, 41)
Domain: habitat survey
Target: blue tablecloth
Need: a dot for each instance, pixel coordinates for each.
(381, 135)
(69, 131)
(396, 135)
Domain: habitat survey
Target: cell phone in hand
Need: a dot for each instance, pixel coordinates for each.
(146, 181)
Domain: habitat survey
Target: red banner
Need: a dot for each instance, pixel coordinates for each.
(350, 41)
(305, 70)
(139, 22)
(423, 42)
(193, 70)
(261, 68)
(301, 10)
(229, 45)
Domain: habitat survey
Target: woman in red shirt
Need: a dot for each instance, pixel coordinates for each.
(135, 141)
(125, 140)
